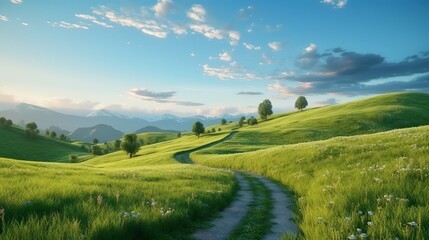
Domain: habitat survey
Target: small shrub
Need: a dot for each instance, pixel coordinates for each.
(73, 158)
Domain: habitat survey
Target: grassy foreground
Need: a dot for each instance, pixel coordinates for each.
(111, 196)
(376, 183)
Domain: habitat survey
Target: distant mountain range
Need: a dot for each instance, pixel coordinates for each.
(46, 118)
(101, 132)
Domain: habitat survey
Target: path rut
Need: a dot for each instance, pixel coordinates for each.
(231, 216)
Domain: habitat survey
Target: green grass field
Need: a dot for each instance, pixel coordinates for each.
(375, 182)
(361, 165)
(59, 201)
(14, 144)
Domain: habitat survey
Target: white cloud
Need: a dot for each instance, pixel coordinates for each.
(251, 46)
(207, 30)
(234, 36)
(150, 27)
(66, 103)
(160, 97)
(225, 56)
(197, 13)
(162, 7)
(233, 71)
(64, 24)
(280, 89)
(192, 54)
(275, 46)
(3, 18)
(16, 1)
(85, 16)
(178, 30)
(335, 3)
(311, 48)
(93, 19)
(24, 24)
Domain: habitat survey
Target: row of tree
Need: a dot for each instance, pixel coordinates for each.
(5, 123)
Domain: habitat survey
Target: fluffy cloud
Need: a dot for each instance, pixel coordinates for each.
(160, 97)
(207, 30)
(275, 46)
(64, 24)
(178, 30)
(16, 1)
(278, 87)
(335, 3)
(197, 13)
(93, 19)
(250, 93)
(350, 73)
(225, 56)
(251, 47)
(233, 71)
(162, 7)
(234, 37)
(266, 59)
(218, 111)
(3, 18)
(149, 27)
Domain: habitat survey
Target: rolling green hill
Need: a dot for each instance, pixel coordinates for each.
(381, 113)
(363, 175)
(14, 144)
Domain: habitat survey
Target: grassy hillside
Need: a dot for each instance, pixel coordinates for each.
(150, 196)
(377, 114)
(14, 144)
(375, 182)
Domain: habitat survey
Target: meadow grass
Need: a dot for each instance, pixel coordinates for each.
(112, 196)
(376, 183)
(381, 113)
(14, 144)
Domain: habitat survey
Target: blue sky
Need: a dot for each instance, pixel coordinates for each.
(208, 57)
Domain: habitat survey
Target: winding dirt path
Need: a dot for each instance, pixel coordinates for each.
(231, 216)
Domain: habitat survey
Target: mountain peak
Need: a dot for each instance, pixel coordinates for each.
(105, 113)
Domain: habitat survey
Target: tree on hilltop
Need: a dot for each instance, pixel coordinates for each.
(223, 121)
(31, 129)
(301, 103)
(130, 144)
(265, 109)
(241, 121)
(198, 128)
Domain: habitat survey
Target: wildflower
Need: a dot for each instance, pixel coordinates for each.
(352, 237)
(135, 214)
(359, 230)
(369, 223)
(153, 203)
(331, 202)
(319, 219)
(348, 219)
(99, 199)
(27, 203)
(360, 212)
(412, 224)
(370, 213)
(363, 235)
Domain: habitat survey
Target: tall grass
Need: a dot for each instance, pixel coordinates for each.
(376, 183)
(112, 197)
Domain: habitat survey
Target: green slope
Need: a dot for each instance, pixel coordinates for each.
(14, 144)
(377, 114)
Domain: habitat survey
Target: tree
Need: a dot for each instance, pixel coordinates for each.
(5, 123)
(53, 134)
(8, 123)
(213, 130)
(96, 150)
(47, 133)
(219, 129)
(31, 129)
(252, 121)
(198, 128)
(117, 143)
(223, 121)
(95, 141)
(241, 121)
(130, 144)
(301, 103)
(179, 134)
(265, 109)
(63, 137)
